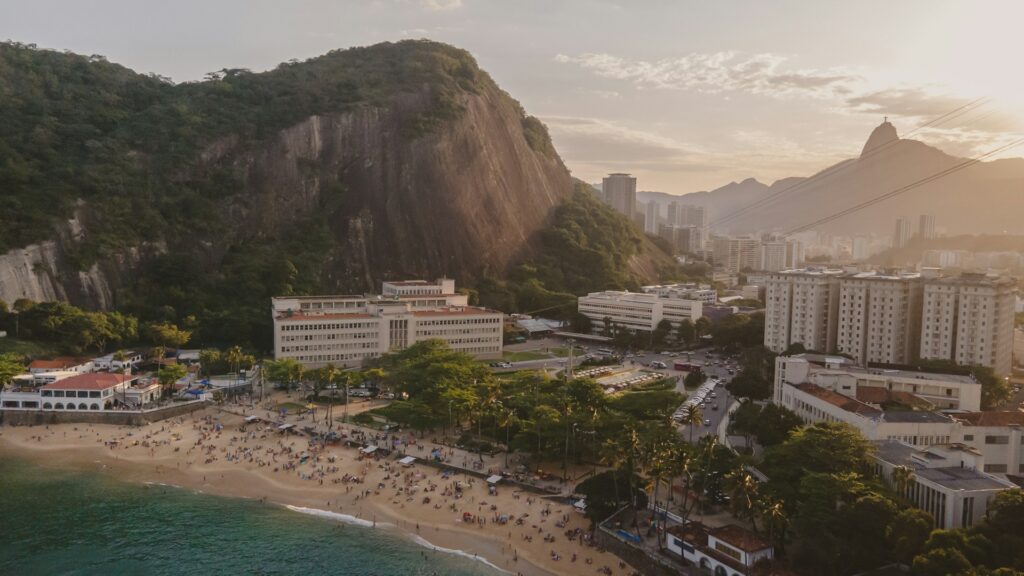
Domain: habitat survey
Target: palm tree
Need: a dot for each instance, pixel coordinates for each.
(774, 515)
(508, 417)
(902, 478)
(691, 417)
(744, 495)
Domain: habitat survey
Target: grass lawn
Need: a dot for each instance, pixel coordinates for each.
(292, 407)
(563, 351)
(26, 348)
(524, 356)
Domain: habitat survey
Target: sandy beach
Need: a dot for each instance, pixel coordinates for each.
(216, 452)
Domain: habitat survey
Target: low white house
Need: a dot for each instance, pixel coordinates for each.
(95, 391)
(108, 362)
(62, 364)
(728, 550)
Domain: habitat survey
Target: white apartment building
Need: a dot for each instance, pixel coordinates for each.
(801, 306)
(728, 550)
(969, 319)
(637, 310)
(734, 254)
(926, 226)
(945, 480)
(346, 330)
(878, 314)
(779, 254)
(893, 317)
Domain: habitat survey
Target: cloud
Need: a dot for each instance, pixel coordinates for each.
(440, 5)
(907, 102)
(718, 72)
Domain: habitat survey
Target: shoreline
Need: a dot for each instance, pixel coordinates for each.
(150, 459)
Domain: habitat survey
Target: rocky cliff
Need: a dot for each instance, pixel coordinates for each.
(178, 201)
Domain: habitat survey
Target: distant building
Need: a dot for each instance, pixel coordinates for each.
(346, 330)
(926, 226)
(684, 239)
(969, 319)
(651, 218)
(673, 217)
(620, 193)
(637, 310)
(902, 234)
(893, 317)
(860, 248)
(735, 254)
(687, 291)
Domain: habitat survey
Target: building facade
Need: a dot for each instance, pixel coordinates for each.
(637, 310)
(620, 193)
(969, 319)
(347, 330)
(893, 318)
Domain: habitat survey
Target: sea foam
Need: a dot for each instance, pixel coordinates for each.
(422, 542)
(345, 518)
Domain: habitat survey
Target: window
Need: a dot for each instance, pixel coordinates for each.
(995, 468)
(968, 437)
(997, 439)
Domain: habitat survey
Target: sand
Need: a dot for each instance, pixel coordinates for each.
(264, 464)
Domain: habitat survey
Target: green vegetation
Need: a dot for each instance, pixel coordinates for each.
(587, 248)
(67, 328)
(80, 128)
(10, 366)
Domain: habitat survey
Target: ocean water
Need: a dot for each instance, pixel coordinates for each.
(75, 523)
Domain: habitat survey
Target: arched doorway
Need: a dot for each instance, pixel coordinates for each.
(71, 406)
(94, 406)
(720, 571)
(82, 406)
(47, 406)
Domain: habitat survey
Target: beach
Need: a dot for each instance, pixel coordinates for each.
(216, 452)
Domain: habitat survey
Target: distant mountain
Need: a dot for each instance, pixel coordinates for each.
(984, 198)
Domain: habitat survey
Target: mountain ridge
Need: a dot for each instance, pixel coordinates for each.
(887, 163)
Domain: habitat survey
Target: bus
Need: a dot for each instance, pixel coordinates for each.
(684, 366)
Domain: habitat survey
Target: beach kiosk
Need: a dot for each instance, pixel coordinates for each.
(407, 461)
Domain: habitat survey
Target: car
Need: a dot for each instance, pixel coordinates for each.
(714, 395)
(504, 364)
(714, 407)
(707, 422)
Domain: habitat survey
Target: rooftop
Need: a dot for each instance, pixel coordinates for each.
(879, 395)
(93, 381)
(898, 453)
(844, 402)
(454, 311)
(297, 316)
(991, 418)
(850, 366)
(911, 416)
(740, 538)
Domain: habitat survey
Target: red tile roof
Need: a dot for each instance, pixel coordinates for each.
(58, 363)
(835, 399)
(992, 418)
(879, 395)
(93, 381)
(740, 537)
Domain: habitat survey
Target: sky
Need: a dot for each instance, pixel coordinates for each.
(687, 96)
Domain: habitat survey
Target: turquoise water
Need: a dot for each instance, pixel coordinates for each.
(73, 523)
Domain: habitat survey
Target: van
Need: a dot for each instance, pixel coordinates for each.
(604, 351)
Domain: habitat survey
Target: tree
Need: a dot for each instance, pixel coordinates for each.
(169, 335)
(692, 417)
(685, 332)
(609, 491)
(908, 533)
(660, 332)
(701, 327)
(749, 384)
(169, 375)
(941, 562)
(774, 424)
(1006, 513)
(694, 379)
(10, 366)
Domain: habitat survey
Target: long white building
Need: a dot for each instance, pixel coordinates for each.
(893, 318)
(637, 310)
(346, 330)
(921, 409)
